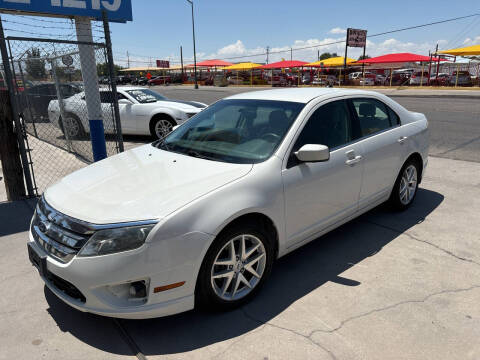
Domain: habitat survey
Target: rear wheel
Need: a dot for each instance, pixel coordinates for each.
(72, 127)
(406, 185)
(235, 267)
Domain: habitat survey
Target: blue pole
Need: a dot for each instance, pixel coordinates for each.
(92, 93)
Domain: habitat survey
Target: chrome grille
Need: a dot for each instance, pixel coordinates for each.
(59, 235)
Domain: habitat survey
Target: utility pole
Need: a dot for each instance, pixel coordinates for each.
(128, 60)
(291, 54)
(318, 55)
(268, 51)
(181, 61)
(194, 50)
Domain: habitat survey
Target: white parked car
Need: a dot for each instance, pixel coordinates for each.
(199, 217)
(142, 112)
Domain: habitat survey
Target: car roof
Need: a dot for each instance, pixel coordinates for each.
(303, 95)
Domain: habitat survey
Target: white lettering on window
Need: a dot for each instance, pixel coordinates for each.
(111, 6)
(78, 4)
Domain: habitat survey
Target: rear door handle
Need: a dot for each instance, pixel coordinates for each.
(402, 139)
(355, 160)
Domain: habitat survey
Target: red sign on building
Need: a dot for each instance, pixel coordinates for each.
(163, 63)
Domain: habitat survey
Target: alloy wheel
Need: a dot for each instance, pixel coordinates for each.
(72, 127)
(162, 128)
(408, 185)
(238, 267)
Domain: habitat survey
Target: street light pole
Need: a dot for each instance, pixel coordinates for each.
(194, 51)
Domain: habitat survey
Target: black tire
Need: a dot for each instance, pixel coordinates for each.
(155, 121)
(73, 135)
(395, 200)
(205, 296)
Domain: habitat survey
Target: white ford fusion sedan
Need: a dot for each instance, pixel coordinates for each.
(200, 216)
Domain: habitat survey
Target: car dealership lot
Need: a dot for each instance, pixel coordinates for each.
(386, 284)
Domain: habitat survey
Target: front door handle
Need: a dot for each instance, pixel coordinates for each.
(355, 160)
(402, 139)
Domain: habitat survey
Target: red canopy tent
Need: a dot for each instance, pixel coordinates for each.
(284, 64)
(396, 58)
(399, 58)
(214, 63)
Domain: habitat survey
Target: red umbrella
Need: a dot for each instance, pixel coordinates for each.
(214, 63)
(284, 64)
(396, 58)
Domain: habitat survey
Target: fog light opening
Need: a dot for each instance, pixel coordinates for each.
(138, 289)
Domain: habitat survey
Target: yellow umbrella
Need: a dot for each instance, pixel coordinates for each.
(334, 61)
(242, 66)
(465, 51)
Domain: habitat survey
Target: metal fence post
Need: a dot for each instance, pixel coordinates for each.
(113, 81)
(11, 84)
(92, 94)
(61, 104)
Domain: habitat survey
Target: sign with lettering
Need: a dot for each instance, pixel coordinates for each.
(356, 37)
(117, 10)
(163, 63)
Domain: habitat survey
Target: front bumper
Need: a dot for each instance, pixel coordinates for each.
(100, 284)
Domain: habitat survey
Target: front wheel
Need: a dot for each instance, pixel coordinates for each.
(406, 186)
(235, 267)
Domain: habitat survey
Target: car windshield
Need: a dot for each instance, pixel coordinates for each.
(145, 95)
(236, 131)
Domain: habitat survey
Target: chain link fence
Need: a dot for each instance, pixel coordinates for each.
(50, 99)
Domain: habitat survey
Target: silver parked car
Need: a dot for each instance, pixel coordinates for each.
(200, 216)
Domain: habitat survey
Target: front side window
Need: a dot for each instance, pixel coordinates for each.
(329, 125)
(234, 130)
(372, 116)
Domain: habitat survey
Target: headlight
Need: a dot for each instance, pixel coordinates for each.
(111, 241)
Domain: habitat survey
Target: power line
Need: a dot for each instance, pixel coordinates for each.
(343, 41)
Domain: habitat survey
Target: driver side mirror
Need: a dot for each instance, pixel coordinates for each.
(124, 102)
(313, 153)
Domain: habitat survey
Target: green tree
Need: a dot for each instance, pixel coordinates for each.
(363, 57)
(102, 69)
(35, 66)
(327, 55)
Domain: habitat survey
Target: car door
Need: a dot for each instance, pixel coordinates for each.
(320, 194)
(106, 98)
(382, 144)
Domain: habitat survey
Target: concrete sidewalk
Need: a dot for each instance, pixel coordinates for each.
(385, 286)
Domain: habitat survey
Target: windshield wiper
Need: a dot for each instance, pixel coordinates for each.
(198, 155)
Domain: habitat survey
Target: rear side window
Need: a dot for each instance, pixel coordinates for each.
(374, 116)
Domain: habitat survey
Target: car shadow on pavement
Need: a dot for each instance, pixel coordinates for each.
(293, 277)
(15, 216)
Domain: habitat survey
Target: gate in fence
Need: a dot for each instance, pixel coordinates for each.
(50, 100)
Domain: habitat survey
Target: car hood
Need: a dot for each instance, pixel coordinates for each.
(140, 184)
(186, 106)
